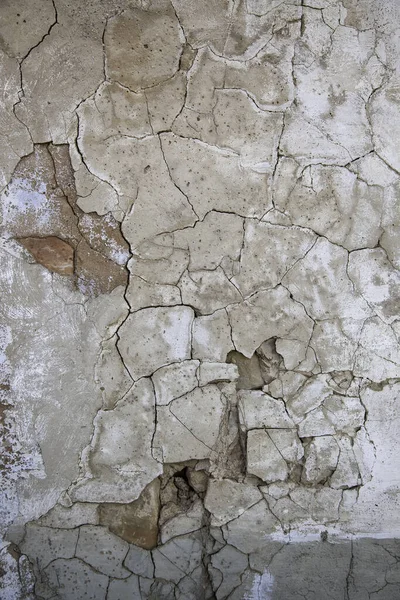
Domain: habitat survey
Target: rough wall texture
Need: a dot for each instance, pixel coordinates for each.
(200, 253)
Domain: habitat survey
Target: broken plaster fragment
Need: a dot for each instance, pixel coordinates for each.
(142, 294)
(317, 201)
(102, 550)
(269, 251)
(193, 165)
(381, 288)
(212, 337)
(321, 459)
(45, 543)
(139, 562)
(268, 314)
(264, 460)
(124, 588)
(151, 41)
(250, 530)
(215, 372)
(347, 473)
(188, 427)
(257, 410)
(118, 464)
(208, 291)
(184, 523)
(175, 380)
(111, 374)
(330, 295)
(232, 563)
(155, 337)
(178, 557)
(385, 119)
(69, 518)
(227, 499)
(218, 236)
(72, 578)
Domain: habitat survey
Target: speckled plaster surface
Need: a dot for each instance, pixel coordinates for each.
(200, 297)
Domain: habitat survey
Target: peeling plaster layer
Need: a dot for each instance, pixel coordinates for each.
(199, 264)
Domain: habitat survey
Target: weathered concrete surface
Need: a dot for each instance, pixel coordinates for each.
(200, 357)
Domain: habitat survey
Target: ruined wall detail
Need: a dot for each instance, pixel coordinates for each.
(199, 264)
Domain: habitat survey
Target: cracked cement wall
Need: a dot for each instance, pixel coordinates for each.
(200, 253)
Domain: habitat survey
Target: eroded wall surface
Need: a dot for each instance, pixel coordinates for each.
(200, 252)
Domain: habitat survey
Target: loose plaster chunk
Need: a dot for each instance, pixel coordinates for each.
(322, 457)
(231, 563)
(336, 414)
(321, 504)
(381, 286)
(111, 374)
(331, 96)
(269, 314)
(347, 473)
(114, 110)
(119, 462)
(23, 25)
(219, 236)
(158, 260)
(208, 291)
(188, 427)
(243, 127)
(227, 499)
(320, 282)
(235, 122)
(175, 380)
(14, 136)
(70, 517)
(238, 33)
(102, 550)
(72, 579)
(155, 337)
(119, 589)
(66, 67)
(378, 352)
(217, 372)
(150, 42)
(142, 294)
(263, 457)
(334, 203)
(269, 251)
(136, 167)
(335, 342)
(213, 178)
(212, 337)
(258, 409)
(166, 99)
(340, 410)
(44, 544)
(249, 531)
(178, 557)
(182, 523)
(139, 562)
(385, 121)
